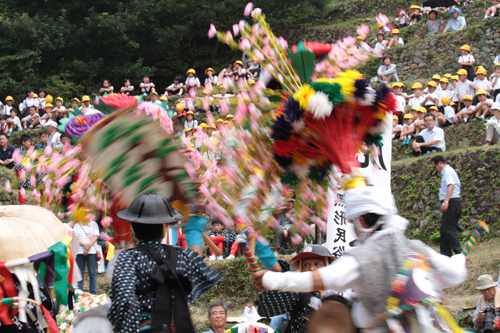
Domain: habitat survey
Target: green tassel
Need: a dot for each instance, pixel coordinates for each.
(331, 90)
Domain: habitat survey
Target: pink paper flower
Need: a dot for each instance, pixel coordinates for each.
(256, 11)
(236, 29)
(212, 31)
(7, 186)
(248, 9)
(106, 222)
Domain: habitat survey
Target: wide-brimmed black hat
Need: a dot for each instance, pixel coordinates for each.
(311, 251)
(150, 208)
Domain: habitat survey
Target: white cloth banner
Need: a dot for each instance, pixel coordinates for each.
(340, 234)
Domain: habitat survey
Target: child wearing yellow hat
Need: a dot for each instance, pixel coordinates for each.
(192, 81)
(254, 71)
(190, 121)
(466, 60)
(483, 104)
(398, 87)
(448, 111)
(59, 109)
(431, 99)
(147, 86)
(86, 107)
(407, 129)
(211, 77)
(481, 82)
(467, 111)
(396, 40)
(239, 72)
(396, 127)
(417, 99)
(8, 105)
(440, 119)
(416, 14)
(463, 87)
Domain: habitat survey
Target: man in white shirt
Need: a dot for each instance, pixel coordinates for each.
(55, 137)
(430, 140)
(493, 125)
(368, 268)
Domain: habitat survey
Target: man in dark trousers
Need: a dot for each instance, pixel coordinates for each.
(449, 195)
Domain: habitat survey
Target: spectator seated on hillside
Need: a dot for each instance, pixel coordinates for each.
(440, 118)
(127, 88)
(468, 111)
(14, 122)
(444, 91)
(481, 82)
(192, 81)
(222, 96)
(396, 40)
(398, 88)
(6, 152)
(463, 87)
(448, 111)
(493, 125)
(222, 239)
(381, 42)
(239, 71)
(226, 74)
(407, 130)
(419, 122)
(483, 104)
(415, 14)
(456, 21)
(106, 88)
(396, 127)
(383, 29)
(253, 71)
(388, 72)
(32, 120)
(490, 296)
(433, 26)
(403, 20)
(211, 77)
(430, 140)
(431, 99)
(176, 88)
(493, 10)
(417, 99)
(495, 81)
(4, 128)
(217, 317)
(147, 87)
(283, 231)
(60, 110)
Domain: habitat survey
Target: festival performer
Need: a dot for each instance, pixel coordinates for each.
(298, 305)
(153, 280)
(370, 267)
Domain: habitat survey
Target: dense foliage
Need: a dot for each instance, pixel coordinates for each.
(69, 47)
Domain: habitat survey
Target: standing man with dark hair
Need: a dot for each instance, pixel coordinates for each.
(430, 140)
(449, 195)
(217, 317)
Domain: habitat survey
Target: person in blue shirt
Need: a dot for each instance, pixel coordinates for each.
(451, 207)
(456, 21)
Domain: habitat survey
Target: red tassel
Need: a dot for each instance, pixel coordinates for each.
(51, 323)
(338, 137)
(283, 148)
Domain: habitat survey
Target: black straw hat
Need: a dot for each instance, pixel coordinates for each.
(150, 208)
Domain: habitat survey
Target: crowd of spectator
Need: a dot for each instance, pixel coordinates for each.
(447, 100)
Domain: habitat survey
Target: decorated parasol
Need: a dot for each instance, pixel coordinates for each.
(28, 230)
(34, 247)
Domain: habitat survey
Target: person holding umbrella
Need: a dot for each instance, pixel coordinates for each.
(152, 281)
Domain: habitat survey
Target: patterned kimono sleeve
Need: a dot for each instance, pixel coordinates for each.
(202, 277)
(276, 303)
(124, 313)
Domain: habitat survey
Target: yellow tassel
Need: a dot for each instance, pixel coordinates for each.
(448, 319)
